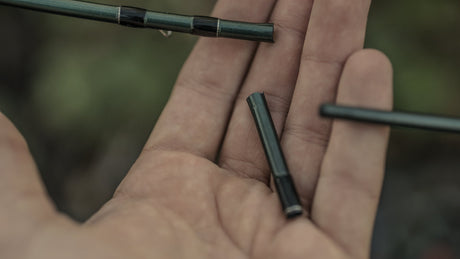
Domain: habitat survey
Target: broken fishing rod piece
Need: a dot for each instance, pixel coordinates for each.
(392, 118)
(141, 18)
(281, 176)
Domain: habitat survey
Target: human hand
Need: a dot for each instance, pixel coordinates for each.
(201, 187)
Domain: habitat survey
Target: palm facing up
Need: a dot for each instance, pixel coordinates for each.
(201, 187)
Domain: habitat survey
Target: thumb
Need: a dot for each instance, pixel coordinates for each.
(24, 204)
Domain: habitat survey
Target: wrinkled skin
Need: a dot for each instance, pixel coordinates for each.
(201, 187)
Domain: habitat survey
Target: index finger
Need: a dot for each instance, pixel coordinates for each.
(195, 118)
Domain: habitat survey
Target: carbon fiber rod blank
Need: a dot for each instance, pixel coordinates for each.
(267, 133)
(138, 17)
(392, 118)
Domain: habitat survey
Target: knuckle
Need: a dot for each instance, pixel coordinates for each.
(284, 27)
(206, 85)
(307, 135)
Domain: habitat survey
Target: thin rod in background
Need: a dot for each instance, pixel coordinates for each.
(392, 118)
(281, 176)
(138, 17)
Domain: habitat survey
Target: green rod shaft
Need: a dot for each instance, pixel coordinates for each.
(79, 9)
(281, 176)
(137, 17)
(392, 118)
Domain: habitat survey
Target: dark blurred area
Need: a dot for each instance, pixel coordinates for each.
(87, 94)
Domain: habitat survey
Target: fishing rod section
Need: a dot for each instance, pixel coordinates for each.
(392, 118)
(142, 18)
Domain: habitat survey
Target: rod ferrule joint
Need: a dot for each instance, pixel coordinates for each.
(132, 16)
(205, 26)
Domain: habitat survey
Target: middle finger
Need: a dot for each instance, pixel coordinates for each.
(273, 71)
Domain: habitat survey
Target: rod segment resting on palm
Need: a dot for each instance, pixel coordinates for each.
(137, 17)
(284, 184)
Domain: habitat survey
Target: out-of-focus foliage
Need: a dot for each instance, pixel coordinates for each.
(86, 95)
(422, 39)
(420, 207)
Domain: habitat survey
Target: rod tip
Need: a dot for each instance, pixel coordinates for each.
(324, 110)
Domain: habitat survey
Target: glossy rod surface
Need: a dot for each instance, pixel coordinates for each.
(403, 119)
(138, 17)
(281, 176)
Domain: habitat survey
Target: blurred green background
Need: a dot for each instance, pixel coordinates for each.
(86, 95)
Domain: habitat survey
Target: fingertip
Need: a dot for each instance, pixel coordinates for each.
(367, 80)
(371, 57)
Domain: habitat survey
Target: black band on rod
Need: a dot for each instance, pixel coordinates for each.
(132, 16)
(205, 26)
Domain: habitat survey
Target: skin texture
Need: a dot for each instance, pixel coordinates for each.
(201, 187)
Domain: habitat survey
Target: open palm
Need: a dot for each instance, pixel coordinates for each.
(201, 187)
